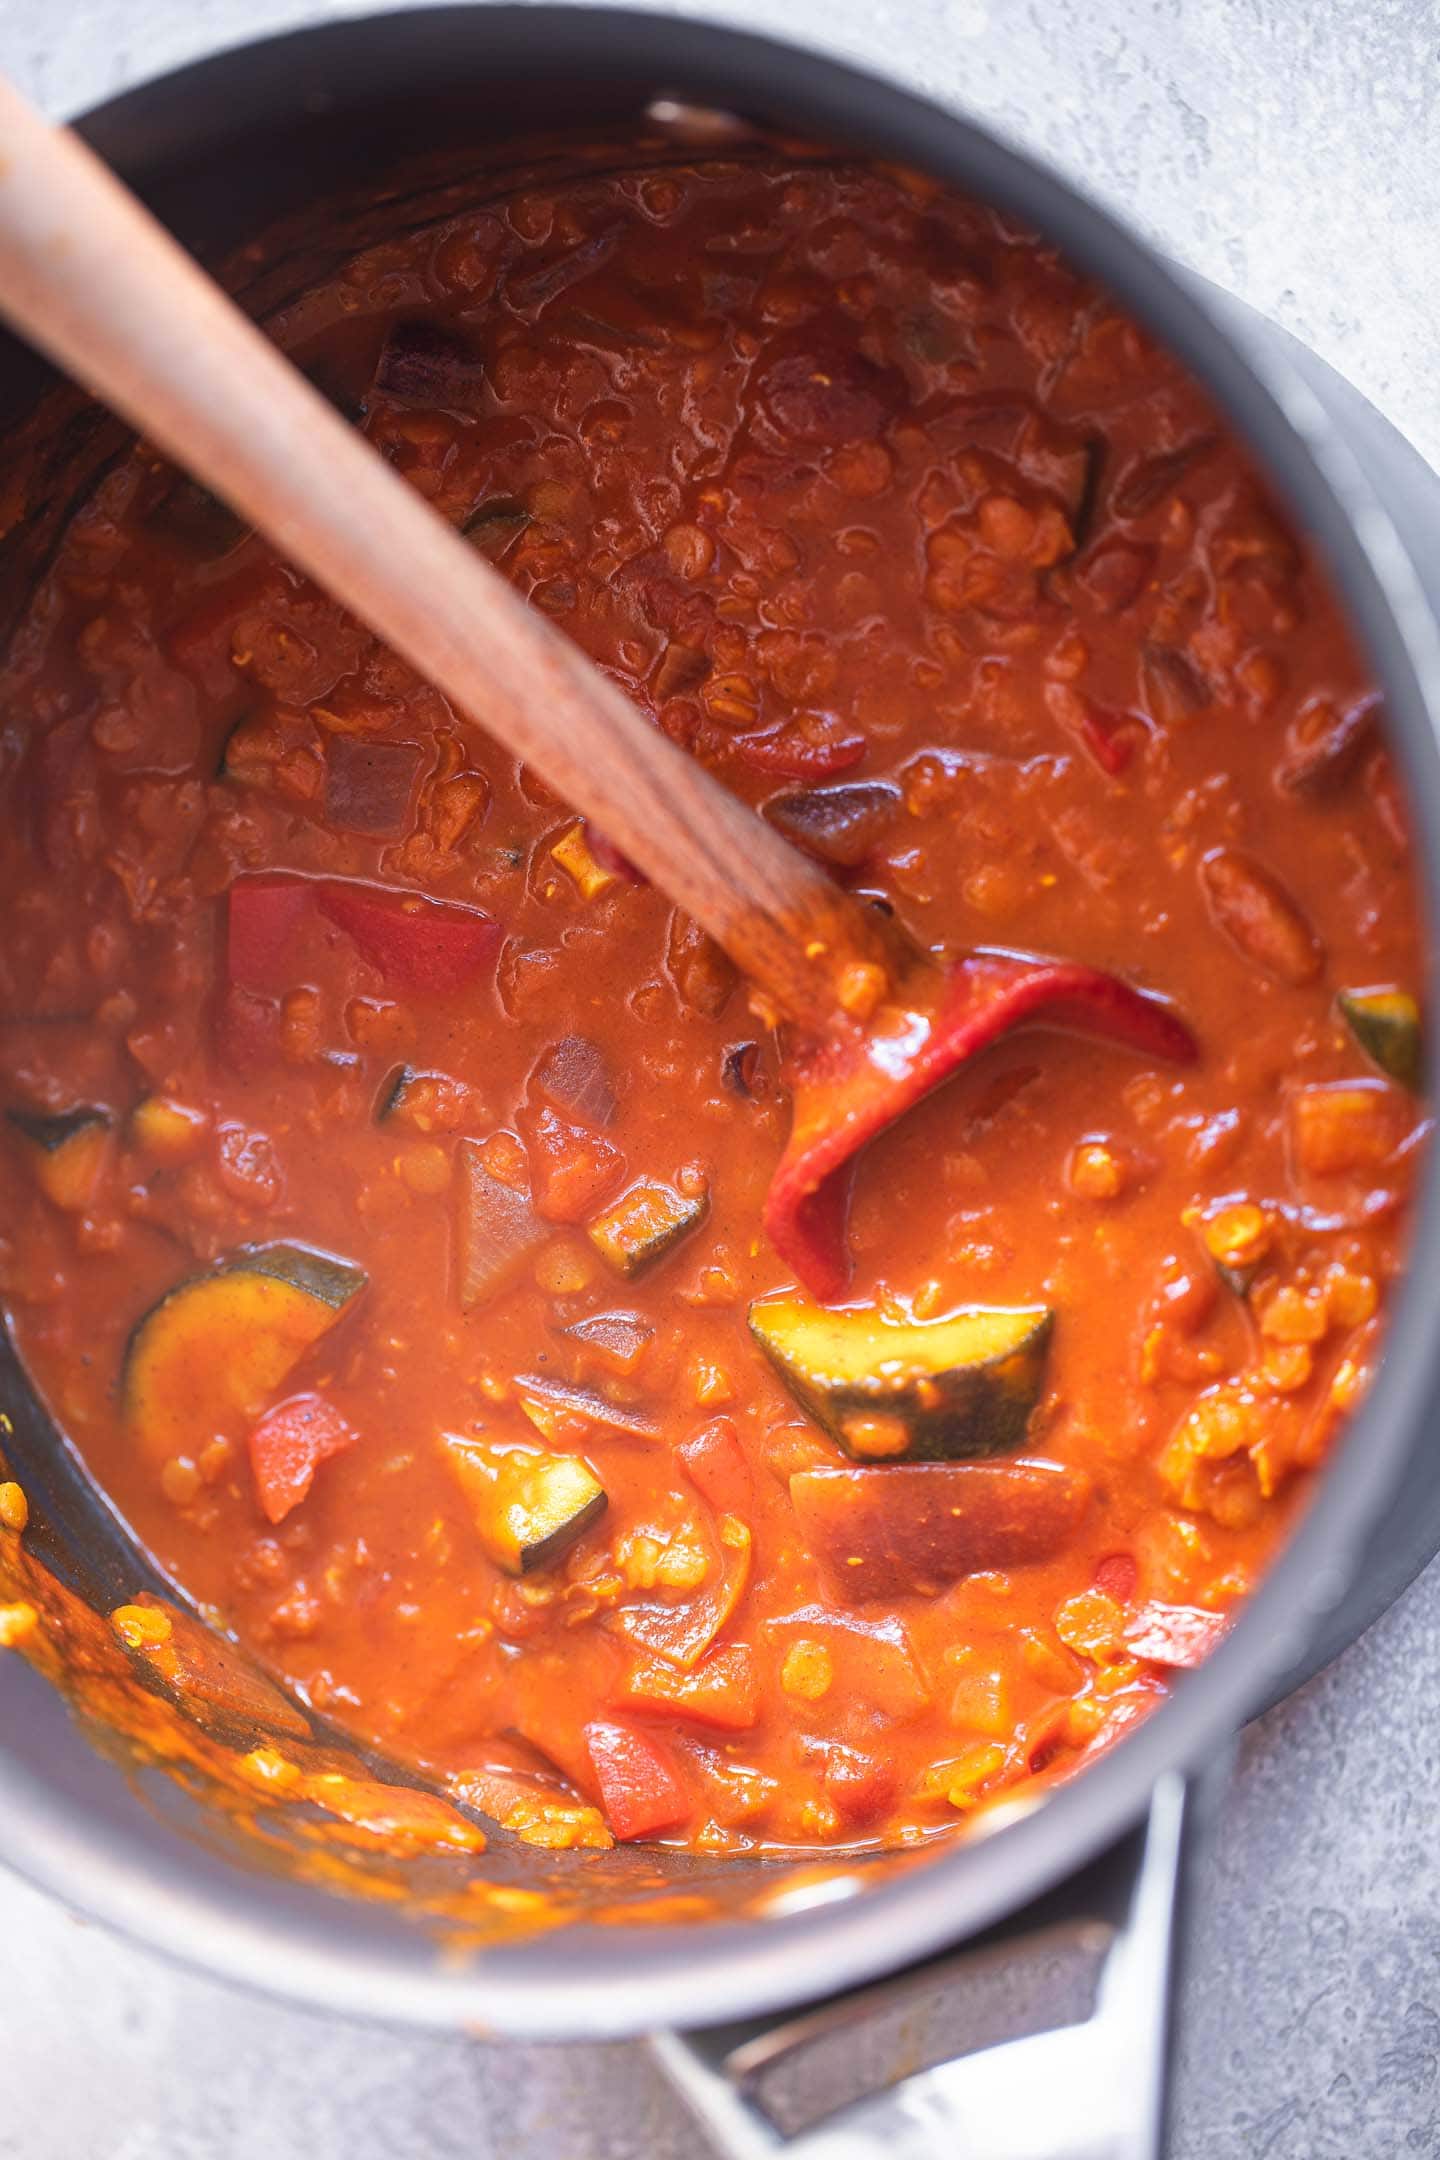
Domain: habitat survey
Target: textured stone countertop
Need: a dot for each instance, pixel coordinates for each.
(1290, 149)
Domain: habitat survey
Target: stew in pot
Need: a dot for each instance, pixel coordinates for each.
(383, 1163)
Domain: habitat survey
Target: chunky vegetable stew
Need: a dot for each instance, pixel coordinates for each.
(386, 1169)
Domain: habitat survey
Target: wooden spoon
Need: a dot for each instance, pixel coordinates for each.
(89, 276)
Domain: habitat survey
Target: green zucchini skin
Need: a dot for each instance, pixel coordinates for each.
(644, 1224)
(1387, 1026)
(529, 1507)
(332, 1282)
(319, 1274)
(193, 519)
(212, 1352)
(222, 755)
(69, 1149)
(50, 1131)
(494, 526)
(951, 1409)
(393, 1090)
(544, 1545)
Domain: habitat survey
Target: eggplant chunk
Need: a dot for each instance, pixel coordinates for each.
(424, 364)
(209, 1357)
(842, 825)
(914, 1530)
(574, 1078)
(528, 1507)
(1386, 1024)
(918, 1391)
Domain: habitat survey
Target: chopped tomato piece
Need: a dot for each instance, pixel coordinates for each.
(716, 1465)
(862, 1659)
(249, 1028)
(859, 1787)
(683, 1633)
(288, 1446)
(639, 1781)
(721, 1691)
(572, 1171)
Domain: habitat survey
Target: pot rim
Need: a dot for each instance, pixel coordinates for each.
(590, 1981)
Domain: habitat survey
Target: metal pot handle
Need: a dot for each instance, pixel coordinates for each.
(1045, 2039)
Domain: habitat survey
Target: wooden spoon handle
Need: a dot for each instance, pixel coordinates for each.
(88, 275)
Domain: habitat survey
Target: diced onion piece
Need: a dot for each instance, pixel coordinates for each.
(496, 1229)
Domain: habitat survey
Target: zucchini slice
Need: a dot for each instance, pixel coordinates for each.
(393, 1089)
(644, 1224)
(918, 1391)
(529, 1507)
(199, 523)
(68, 1148)
(496, 525)
(1237, 1236)
(211, 1354)
(1386, 1024)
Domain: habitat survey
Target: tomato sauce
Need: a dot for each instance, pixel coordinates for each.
(383, 1162)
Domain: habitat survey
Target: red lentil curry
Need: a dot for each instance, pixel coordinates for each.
(383, 1163)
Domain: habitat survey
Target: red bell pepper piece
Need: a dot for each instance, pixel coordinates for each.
(1104, 737)
(263, 917)
(609, 857)
(1109, 736)
(1117, 1575)
(639, 1781)
(789, 755)
(288, 1446)
(1176, 1635)
(417, 944)
(715, 1463)
(844, 1092)
(434, 946)
(721, 1692)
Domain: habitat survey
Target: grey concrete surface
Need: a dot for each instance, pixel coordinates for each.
(1290, 149)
